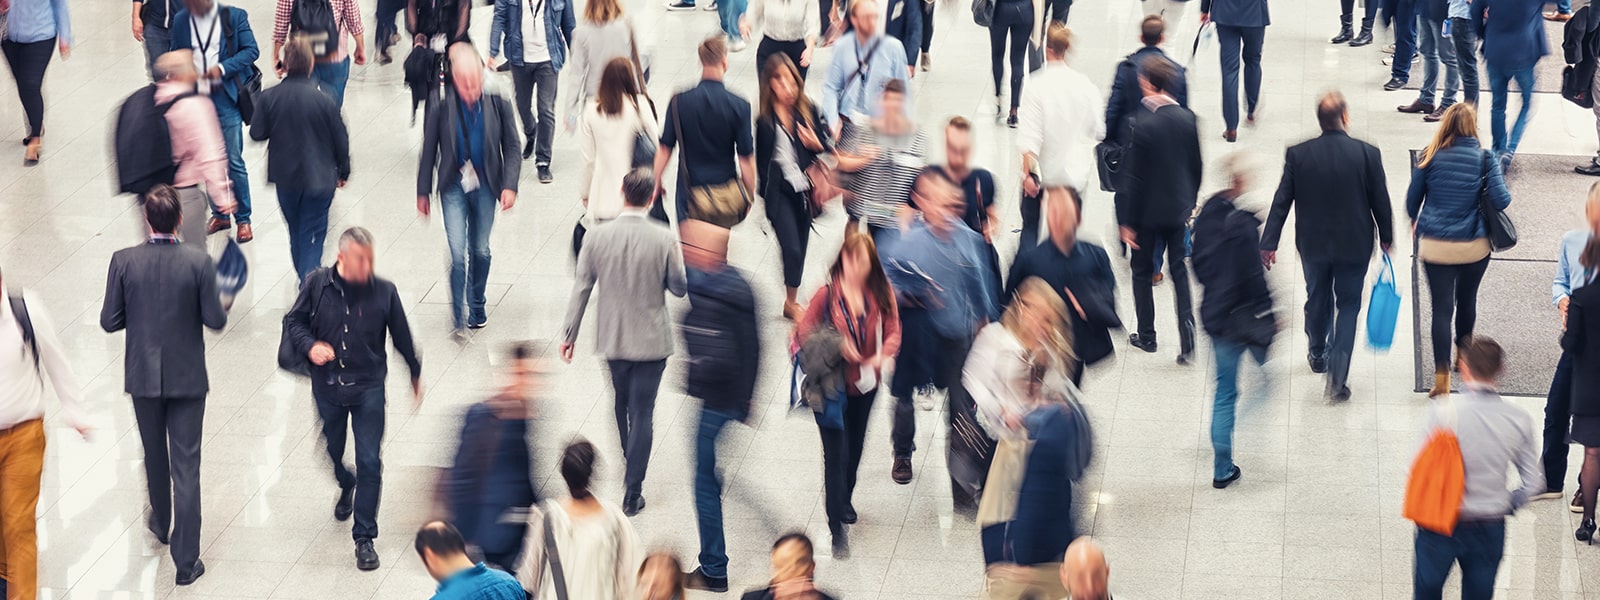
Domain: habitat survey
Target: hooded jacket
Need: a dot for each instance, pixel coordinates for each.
(1228, 264)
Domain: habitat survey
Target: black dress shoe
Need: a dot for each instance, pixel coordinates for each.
(346, 504)
(849, 517)
(1416, 108)
(1147, 345)
(544, 174)
(1339, 395)
(1395, 83)
(1319, 364)
(1227, 481)
(901, 471)
(194, 573)
(1592, 169)
(160, 532)
(366, 557)
(632, 506)
(698, 580)
(841, 542)
(527, 149)
(1186, 359)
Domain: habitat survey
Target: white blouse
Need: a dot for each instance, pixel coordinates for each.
(607, 143)
(998, 377)
(600, 554)
(786, 20)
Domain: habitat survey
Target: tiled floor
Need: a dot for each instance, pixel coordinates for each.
(1316, 516)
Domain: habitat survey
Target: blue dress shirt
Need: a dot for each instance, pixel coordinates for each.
(1570, 274)
(38, 20)
(854, 96)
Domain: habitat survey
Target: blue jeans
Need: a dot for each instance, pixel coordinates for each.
(729, 12)
(1557, 424)
(362, 407)
(1240, 43)
(1499, 88)
(1477, 545)
(468, 218)
(1465, 40)
(331, 78)
(708, 492)
(157, 41)
(1437, 50)
(1227, 398)
(305, 214)
(1405, 39)
(233, 138)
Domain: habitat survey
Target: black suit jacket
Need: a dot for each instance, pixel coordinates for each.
(1338, 183)
(162, 294)
(501, 145)
(1161, 170)
(309, 148)
(1126, 95)
(1582, 342)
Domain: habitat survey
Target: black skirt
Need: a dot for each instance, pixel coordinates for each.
(1586, 430)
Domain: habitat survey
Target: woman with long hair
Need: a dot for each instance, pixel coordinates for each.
(611, 122)
(1015, 24)
(859, 304)
(1011, 358)
(596, 546)
(1581, 341)
(788, 27)
(661, 577)
(790, 135)
(36, 30)
(603, 33)
(1452, 235)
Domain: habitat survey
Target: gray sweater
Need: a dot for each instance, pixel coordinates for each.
(1493, 434)
(635, 261)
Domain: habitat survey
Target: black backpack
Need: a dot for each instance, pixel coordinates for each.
(143, 144)
(314, 19)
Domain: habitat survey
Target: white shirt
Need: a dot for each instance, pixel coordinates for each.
(607, 145)
(1059, 122)
(207, 46)
(535, 47)
(786, 20)
(21, 385)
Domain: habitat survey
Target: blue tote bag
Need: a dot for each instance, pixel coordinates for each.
(1384, 309)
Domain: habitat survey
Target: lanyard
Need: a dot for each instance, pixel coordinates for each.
(535, 8)
(850, 322)
(205, 46)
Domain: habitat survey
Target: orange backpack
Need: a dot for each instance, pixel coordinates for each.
(1438, 479)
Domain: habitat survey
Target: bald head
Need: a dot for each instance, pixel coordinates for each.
(705, 246)
(1084, 571)
(466, 71)
(177, 65)
(1332, 111)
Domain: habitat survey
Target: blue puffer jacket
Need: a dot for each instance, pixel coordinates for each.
(1443, 199)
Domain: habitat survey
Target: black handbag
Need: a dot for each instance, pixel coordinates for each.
(1502, 232)
(1108, 162)
(644, 146)
(983, 12)
(290, 359)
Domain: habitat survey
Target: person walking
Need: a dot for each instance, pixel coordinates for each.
(197, 146)
(331, 49)
(1452, 236)
(491, 480)
(927, 34)
(1513, 42)
(857, 300)
(618, 116)
(860, 70)
(1085, 571)
(152, 27)
(1580, 47)
(604, 34)
(636, 263)
(790, 136)
(977, 185)
(1464, 39)
(308, 154)
(438, 23)
(788, 27)
(722, 338)
(713, 126)
(1160, 180)
(1241, 29)
(1437, 51)
(30, 355)
(1346, 19)
(1581, 342)
(1016, 20)
(943, 303)
(1402, 14)
(1494, 436)
(1056, 130)
(1336, 186)
(444, 554)
(386, 33)
(35, 30)
(1126, 98)
(340, 321)
(224, 50)
(591, 543)
(163, 294)
(470, 139)
(886, 155)
(1571, 275)
(902, 20)
(535, 37)
(793, 567)
(1078, 271)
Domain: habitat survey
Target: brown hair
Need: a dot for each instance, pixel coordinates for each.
(894, 86)
(713, 51)
(617, 85)
(878, 287)
(1483, 355)
(297, 58)
(1058, 39)
(674, 567)
(780, 64)
(1160, 72)
(1460, 122)
(1590, 259)
(1152, 29)
(601, 12)
(959, 123)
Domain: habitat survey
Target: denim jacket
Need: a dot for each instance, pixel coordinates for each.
(559, 21)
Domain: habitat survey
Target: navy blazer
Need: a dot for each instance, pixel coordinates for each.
(905, 26)
(1126, 95)
(1237, 13)
(239, 49)
(1514, 39)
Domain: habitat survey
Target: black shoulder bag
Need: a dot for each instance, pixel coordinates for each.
(290, 359)
(1502, 233)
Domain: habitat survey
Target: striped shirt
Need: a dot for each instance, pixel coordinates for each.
(879, 190)
(346, 14)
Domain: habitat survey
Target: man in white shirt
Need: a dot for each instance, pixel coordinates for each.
(1058, 124)
(535, 33)
(30, 353)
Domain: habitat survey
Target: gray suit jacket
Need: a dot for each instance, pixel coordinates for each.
(501, 145)
(162, 294)
(634, 259)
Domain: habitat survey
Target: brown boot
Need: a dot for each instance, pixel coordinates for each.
(1441, 382)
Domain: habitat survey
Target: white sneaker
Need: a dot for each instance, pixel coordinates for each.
(736, 45)
(1389, 60)
(712, 7)
(1547, 495)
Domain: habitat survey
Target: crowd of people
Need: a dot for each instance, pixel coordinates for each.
(918, 300)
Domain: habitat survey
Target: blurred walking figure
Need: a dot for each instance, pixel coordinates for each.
(1452, 236)
(790, 137)
(788, 27)
(618, 116)
(1023, 21)
(30, 354)
(1236, 305)
(470, 139)
(1085, 571)
(329, 26)
(444, 555)
(636, 263)
(722, 337)
(936, 267)
(492, 480)
(152, 26)
(977, 189)
(1241, 31)
(1437, 51)
(1336, 186)
(661, 577)
(1057, 127)
(1127, 98)
(308, 154)
(860, 70)
(885, 154)
(340, 322)
(1160, 181)
(581, 545)
(535, 36)
(197, 145)
(34, 31)
(163, 294)
(856, 300)
(710, 129)
(603, 35)
(793, 566)
(1494, 436)
(1010, 359)
(1513, 43)
(223, 49)
(1080, 273)
(1571, 275)
(1581, 341)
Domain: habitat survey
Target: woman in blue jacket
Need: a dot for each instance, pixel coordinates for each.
(1452, 235)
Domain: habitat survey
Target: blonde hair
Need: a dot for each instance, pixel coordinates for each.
(1056, 341)
(601, 12)
(1460, 122)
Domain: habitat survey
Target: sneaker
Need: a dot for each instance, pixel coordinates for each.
(1389, 60)
(478, 321)
(1388, 49)
(346, 504)
(923, 397)
(712, 7)
(366, 557)
(1547, 495)
(1227, 481)
(679, 5)
(544, 174)
(736, 46)
(1147, 345)
(698, 580)
(1394, 83)
(901, 471)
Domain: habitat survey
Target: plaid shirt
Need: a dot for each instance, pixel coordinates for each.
(346, 14)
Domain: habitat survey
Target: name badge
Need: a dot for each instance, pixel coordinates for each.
(469, 178)
(906, 159)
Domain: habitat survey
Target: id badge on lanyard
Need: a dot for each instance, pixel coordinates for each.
(469, 173)
(869, 376)
(204, 85)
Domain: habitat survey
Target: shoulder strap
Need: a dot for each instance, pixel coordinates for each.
(683, 151)
(553, 558)
(19, 309)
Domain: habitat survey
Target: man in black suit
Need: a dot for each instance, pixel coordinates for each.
(1126, 96)
(1335, 183)
(1160, 180)
(163, 293)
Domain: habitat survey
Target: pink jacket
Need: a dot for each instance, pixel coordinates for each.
(197, 145)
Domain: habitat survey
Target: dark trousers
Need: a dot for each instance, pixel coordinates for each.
(526, 79)
(927, 26)
(635, 384)
(791, 223)
(1333, 307)
(1453, 291)
(305, 215)
(170, 430)
(925, 358)
(1405, 39)
(1347, 8)
(1013, 19)
(1477, 545)
(1240, 43)
(1030, 223)
(1056, 10)
(28, 63)
(841, 456)
(792, 49)
(1144, 303)
(157, 41)
(385, 27)
(360, 411)
(1558, 424)
(1466, 41)
(708, 494)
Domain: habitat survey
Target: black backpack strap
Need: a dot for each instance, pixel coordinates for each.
(19, 309)
(553, 557)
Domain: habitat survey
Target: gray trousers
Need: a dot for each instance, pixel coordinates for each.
(636, 384)
(195, 204)
(170, 431)
(527, 80)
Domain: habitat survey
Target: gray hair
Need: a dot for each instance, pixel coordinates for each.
(356, 235)
(638, 185)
